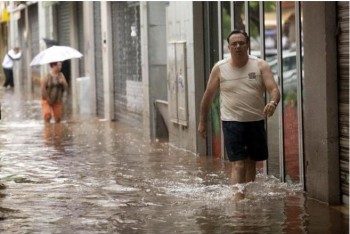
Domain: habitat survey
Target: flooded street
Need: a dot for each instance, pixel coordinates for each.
(93, 176)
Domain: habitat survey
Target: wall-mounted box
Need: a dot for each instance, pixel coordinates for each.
(177, 82)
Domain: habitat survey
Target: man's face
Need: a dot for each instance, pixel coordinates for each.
(238, 45)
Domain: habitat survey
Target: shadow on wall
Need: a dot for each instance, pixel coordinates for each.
(161, 119)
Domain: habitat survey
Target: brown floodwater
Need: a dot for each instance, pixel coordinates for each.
(87, 175)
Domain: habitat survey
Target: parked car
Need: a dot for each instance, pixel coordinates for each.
(289, 68)
(270, 54)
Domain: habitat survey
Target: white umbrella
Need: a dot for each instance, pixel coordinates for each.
(55, 54)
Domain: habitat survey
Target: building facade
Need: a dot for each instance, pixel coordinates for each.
(147, 64)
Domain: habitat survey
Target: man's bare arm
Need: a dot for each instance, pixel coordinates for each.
(209, 94)
(271, 87)
(43, 87)
(63, 81)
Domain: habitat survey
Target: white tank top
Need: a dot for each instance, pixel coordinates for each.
(241, 91)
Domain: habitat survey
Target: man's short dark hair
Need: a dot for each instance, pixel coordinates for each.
(238, 32)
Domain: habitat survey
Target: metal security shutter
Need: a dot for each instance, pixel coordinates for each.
(63, 23)
(63, 31)
(126, 57)
(98, 60)
(343, 71)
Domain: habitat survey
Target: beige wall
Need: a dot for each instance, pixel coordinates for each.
(321, 102)
(183, 20)
(153, 62)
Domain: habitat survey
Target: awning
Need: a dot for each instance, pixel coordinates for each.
(5, 16)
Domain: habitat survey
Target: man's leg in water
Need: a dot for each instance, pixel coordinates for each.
(250, 166)
(239, 177)
(243, 171)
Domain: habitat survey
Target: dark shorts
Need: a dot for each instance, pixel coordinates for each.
(245, 139)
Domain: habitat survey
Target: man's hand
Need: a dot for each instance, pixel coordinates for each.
(202, 129)
(269, 109)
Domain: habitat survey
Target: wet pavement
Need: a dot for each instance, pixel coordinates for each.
(87, 175)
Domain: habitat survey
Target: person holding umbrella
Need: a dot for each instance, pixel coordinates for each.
(54, 83)
(52, 88)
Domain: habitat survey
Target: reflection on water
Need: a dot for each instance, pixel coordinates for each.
(91, 176)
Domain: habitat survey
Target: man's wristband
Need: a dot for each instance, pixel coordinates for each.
(273, 103)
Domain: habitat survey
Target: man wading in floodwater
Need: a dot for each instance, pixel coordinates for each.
(242, 80)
